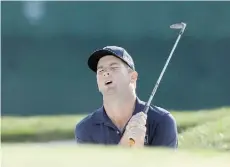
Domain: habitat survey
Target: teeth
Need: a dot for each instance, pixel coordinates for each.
(108, 82)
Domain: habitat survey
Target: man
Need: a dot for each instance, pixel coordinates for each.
(121, 116)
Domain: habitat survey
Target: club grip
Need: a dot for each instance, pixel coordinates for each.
(131, 142)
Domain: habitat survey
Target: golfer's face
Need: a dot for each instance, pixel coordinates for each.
(112, 75)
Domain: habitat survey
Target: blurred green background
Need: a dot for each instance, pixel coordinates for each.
(45, 46)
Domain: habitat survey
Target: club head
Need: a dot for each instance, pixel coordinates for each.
(180, 26)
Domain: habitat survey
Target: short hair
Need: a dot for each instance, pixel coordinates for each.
(129, 68)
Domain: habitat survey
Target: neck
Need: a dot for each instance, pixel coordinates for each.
(120, 109)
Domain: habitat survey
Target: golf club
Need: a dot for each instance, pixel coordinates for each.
(182, 27)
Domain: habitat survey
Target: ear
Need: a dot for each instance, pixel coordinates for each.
(134, 76)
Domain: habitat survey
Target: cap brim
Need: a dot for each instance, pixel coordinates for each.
(96, 56)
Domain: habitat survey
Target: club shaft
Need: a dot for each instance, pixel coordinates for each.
(161, 75)
(147, 105)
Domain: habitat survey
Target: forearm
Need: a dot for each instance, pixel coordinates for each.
(123, 141)
(136, 130)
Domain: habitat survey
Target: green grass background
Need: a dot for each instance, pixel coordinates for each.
(197, 129)
(204, 141)
(32, 155)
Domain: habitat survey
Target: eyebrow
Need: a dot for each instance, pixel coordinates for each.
(113, 64)
(101, 66)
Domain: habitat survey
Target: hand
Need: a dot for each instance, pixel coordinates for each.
(136, 129)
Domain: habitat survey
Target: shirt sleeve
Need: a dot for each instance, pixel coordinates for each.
(166, 133)
(81, 134)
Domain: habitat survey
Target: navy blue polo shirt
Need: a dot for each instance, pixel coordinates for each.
(97, 128)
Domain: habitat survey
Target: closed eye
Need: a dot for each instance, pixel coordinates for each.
(99, 70)
(114, 68)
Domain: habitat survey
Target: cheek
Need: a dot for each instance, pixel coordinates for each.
(99, 80)
(124, 79)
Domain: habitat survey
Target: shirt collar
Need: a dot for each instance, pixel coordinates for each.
(102, 117)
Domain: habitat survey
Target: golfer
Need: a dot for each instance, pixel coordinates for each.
(120, 117)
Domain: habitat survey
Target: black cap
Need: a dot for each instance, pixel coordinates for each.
(116, 51)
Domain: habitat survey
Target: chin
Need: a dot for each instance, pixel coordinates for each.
(109, 93)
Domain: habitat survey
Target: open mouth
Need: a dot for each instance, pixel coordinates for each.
(108, 82)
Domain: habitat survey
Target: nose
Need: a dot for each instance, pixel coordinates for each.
(106, 74)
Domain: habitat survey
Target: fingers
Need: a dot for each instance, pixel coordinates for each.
(141, 114)
(135, 123)
(136, 128)
(137, 133)
(138, 119)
